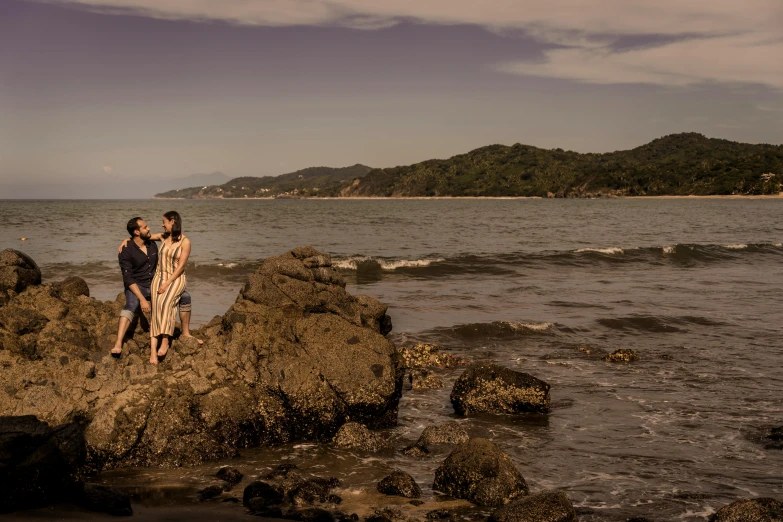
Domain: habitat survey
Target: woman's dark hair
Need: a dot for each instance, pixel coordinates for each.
(133, 225)
(176, 228)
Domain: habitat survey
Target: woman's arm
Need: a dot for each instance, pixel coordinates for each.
(183, 259)
(153, 237)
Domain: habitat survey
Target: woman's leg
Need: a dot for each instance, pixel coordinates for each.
(153, 349)
(164, 345)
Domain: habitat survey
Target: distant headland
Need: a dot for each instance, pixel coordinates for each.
(687, 164)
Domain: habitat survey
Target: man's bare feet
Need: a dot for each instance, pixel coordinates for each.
(188, 335)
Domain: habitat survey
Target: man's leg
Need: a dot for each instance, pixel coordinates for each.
(184, 315)
(126, 317)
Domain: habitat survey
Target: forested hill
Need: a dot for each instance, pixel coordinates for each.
(302, 183)
(679, 164)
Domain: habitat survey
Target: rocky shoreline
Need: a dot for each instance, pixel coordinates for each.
(296, 357)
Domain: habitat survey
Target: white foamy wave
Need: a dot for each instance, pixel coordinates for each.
(736, 247)
(536, 327)
(352, 263)
(669, 249)
(601, 250)
(777, 245)
(227, 265)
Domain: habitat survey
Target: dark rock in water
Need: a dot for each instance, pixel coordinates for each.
(424, 379)
(750, 510)
(355, 435)
(262, 494)
(489, 388)
(480, 472)
(424, 355)
(72, 287)
(438, 514)
(621, 355)
(210, 492)
(550, 506)
(638, 519)
(311, 515)
(414, 450)
(39, 465)
(447, 433)
(775, 438)
(280, 471)
(311, 491)
(17, 271)
(105, 500)
(267, 511)
(399, 484)
(416, 503)
(385, 515)
(293, 358)
(228, 474)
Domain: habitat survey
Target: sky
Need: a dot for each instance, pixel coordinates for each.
(114, 98)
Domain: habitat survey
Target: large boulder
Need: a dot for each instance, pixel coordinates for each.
(295, 357)
(39, 465)
(489, 388)
(447, 433)
(353, 435)
(750, 510)
(480, 472)
(17, 271)
(549, 506)
(399, 483)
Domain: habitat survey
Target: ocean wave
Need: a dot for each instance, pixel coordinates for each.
(608, 251)
(736, 247)
(357, 262)
(654, 324)
(499, 329)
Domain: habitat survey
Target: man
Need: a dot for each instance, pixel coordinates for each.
(138, 259)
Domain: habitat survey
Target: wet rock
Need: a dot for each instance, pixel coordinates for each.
(228, 474)
(262, 494)
(414, 450)
(621, 355)
(280, 471)
(480, 472)
(399, 484)
(438, 514)
(105, 500)
(424, 379)
(72, 286)
(775, 438)
(386, 514)
(210, 492)
(294, 358)
(550, 506)
(311, 515)
(266, 511)
(447, 433)
(311, 491)
(17, 271)
(424, 355)
(416, 503)
(750, 510)
(489, 388)
(355, 435)
(39, 465)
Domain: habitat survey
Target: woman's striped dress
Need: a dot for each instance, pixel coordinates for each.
(164, 306)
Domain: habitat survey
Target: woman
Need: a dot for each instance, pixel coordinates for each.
(168, 284)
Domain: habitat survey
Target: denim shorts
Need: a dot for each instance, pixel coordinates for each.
(132, 303)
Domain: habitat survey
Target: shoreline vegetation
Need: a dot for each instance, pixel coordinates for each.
(407, 198)
(679, 165)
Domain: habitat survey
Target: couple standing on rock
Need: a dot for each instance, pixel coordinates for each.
(155, 281)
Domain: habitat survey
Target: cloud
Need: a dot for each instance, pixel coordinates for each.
(728, 41)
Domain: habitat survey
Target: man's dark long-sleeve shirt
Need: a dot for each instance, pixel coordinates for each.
(138, 267)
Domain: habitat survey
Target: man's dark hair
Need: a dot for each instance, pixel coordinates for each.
(133, 225)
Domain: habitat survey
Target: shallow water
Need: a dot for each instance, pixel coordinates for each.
(692, 286)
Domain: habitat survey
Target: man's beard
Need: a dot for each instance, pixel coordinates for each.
(145, 236)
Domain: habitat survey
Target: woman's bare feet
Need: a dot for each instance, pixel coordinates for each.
(164, 347)
(188, 335)
(117, 350)
(154, 359)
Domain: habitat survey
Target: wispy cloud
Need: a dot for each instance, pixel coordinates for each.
(728, 41)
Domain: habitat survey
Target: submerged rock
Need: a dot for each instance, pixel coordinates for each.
(750, 510)
(355, 435)
(39, 465)
(447, 433)
(17, 271)
(425, 355)
(400, 484)
(621, 355)
(550, 506)
(230, 475)
(295, 357)
(489, 388)
(480, 472)
(105, 500)
(210, 492)
(424, 379)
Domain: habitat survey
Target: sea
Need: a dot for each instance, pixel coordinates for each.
(693, 286)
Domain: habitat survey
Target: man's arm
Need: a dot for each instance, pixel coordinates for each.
(153, 237)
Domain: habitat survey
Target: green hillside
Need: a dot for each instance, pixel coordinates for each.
(302, 183)
(679, 164)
